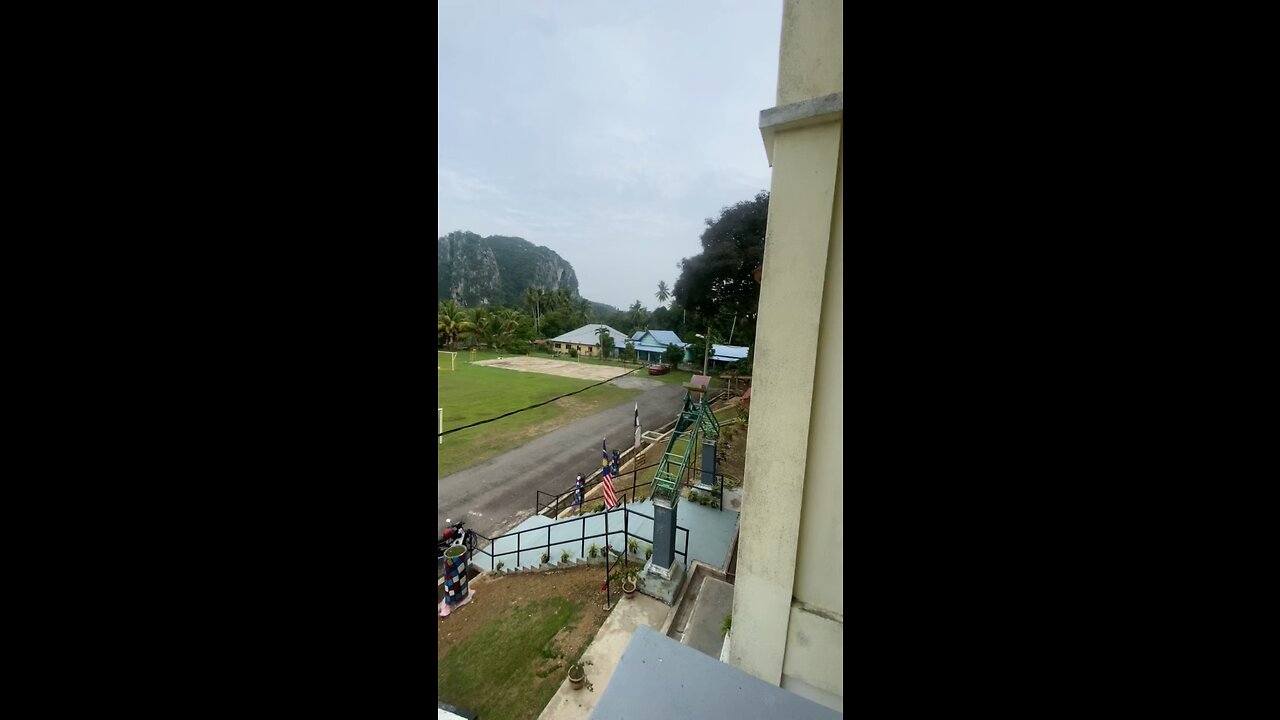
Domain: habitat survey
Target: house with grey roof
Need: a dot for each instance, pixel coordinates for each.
(650, 344)
(586, 341)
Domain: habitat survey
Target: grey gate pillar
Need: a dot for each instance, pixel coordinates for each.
(708, 469)
(664, 538)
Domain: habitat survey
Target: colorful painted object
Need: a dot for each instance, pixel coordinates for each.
(455, 575)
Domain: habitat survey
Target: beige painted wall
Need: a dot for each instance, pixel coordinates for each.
(811, 54)
(790, 578)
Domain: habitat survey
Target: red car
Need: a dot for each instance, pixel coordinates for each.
(659, 369)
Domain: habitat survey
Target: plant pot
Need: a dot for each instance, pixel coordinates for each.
(577, 681)
(629, 587)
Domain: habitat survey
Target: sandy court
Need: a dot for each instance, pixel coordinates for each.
(556, 367)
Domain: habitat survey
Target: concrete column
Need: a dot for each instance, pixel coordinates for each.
(708, 476)
(664, 536)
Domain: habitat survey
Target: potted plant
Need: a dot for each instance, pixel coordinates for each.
(578, 674)
(629, 582)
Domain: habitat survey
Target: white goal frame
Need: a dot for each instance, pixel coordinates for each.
(453, 359)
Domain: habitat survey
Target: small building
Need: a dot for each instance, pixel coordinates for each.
(586, 341)
(650, 344)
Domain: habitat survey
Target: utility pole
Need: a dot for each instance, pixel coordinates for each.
(706, 350)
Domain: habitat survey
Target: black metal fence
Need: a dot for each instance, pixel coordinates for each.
(583, 538)
(563, 501)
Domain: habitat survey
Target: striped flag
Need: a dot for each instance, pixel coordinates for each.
(606, 477)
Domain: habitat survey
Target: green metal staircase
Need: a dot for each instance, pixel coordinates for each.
(695, 419)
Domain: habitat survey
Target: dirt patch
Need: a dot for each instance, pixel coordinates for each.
(631, 382)
(498, 595)
(562, 368)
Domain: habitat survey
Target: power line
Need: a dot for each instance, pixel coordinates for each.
(513, 412)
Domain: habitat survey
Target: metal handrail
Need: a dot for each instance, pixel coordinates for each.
(583, 538)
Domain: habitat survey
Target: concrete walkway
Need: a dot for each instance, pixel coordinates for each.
(604, 652)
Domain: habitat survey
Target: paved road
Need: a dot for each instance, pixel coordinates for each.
(498, 494)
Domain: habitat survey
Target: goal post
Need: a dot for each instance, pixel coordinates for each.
(453, 360)
(440, 425)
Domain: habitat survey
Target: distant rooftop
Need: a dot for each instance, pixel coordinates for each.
(728, 353)
(664, 337)
(586, 335)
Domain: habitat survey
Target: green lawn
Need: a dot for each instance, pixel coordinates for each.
(473, 393)
(489, 673)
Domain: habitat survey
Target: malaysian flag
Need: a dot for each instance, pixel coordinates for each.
(606, 476)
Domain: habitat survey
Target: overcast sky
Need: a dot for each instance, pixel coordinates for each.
(606, 131)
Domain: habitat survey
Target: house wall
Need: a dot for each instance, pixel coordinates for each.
(788, 601)
(588, 350)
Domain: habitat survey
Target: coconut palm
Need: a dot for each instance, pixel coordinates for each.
(664, 292)
(452, 321)
(605, 341)
(535, 298)
(637, 314)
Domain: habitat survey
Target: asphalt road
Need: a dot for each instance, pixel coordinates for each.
(499, 494)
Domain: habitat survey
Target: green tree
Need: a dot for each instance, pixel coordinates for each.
(533, 298)
(637, 314)
(605, 341)
(452, 321)
(663, 293)
(673, 355)
(717, 284)
(629, 351)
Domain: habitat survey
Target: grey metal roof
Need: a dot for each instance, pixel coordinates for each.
(658, 677)
(586, 335)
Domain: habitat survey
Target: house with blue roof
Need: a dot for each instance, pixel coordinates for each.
(650, 344)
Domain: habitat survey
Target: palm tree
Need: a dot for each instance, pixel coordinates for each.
(637, 314)
(480, 332)
(664, 292)
(452, 320)
(534, 298)
(581, 310)
(508, 321)
(605, 341)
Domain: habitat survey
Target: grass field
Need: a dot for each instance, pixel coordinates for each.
(473, 393)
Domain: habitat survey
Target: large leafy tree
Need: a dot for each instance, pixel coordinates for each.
(716, 285)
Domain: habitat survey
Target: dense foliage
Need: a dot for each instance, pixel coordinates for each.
(716, 285)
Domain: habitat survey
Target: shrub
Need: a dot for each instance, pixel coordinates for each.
(593, 550)
(500, 564)
(573, 352)
(633, 546)
(727, 624)
(648, 552)
(546, 558)
(564, 556)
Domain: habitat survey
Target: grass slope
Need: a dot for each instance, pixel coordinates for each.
(491, 671)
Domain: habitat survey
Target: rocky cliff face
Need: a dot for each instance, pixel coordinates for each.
(496, 270)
